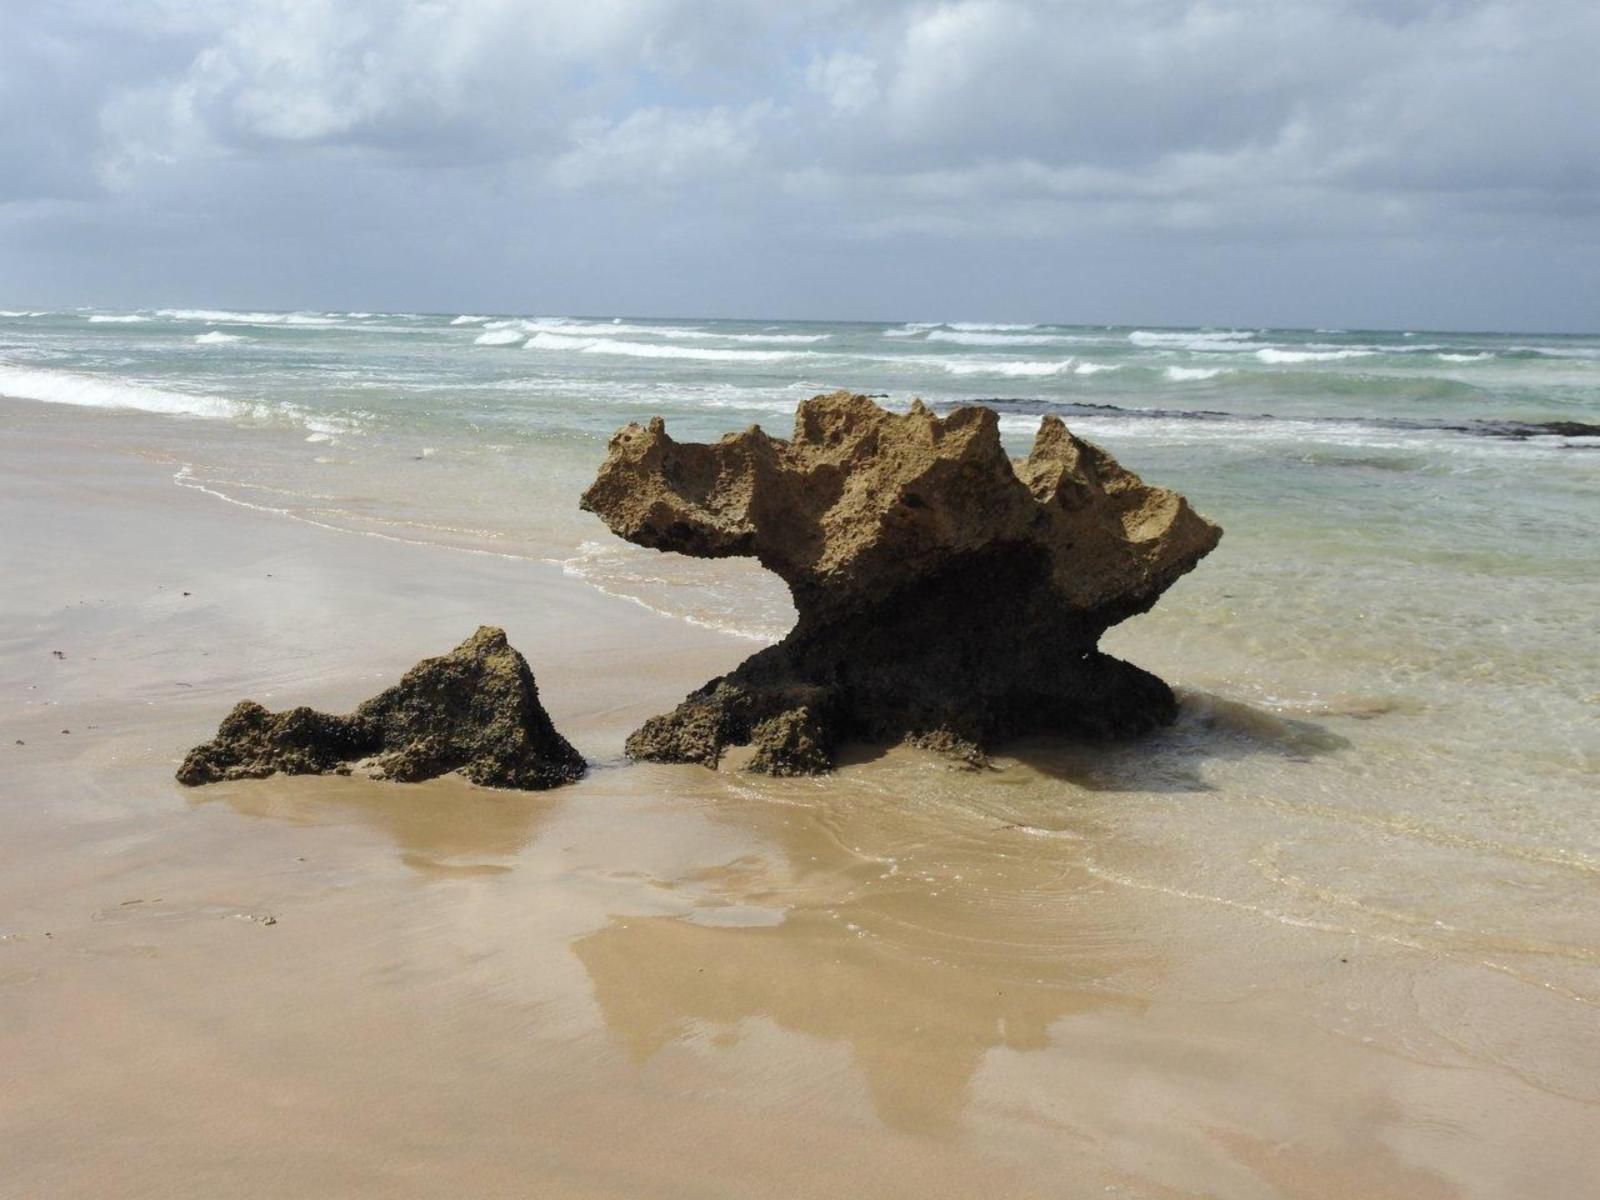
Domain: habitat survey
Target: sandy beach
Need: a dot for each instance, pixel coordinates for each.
(905, 979)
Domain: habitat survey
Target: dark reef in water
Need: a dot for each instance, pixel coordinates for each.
(475, 710)
(1497, 427)
(946, 595)
(1523, 430)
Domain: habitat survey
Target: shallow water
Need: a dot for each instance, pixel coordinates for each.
(1391, 682)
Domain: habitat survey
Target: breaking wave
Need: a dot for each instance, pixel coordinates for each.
(223, 316)
(978, 338)
(607, 345)
(571, 327)
(1220, 339)
(1291, 357)
(986, 327)
(88, 391)
(1016, 369)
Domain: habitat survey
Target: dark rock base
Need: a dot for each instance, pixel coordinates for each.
(980, 658)
(475, 710)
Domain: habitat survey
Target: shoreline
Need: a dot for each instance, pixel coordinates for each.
(901, 980)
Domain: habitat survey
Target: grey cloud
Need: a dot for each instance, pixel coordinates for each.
(284, 150)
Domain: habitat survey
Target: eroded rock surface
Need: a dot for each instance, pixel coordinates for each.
(945, 593)
(475, 710)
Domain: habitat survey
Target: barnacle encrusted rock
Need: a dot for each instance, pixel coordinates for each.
(945, 594)
(475, 710)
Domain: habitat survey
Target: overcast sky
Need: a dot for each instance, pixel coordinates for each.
(1394, 163)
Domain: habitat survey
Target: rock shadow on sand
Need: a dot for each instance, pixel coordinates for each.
(1171, 760)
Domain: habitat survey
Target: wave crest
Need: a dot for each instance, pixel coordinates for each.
(606, 345)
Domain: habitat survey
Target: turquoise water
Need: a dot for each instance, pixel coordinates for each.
(1403, 452)
(1390, 667)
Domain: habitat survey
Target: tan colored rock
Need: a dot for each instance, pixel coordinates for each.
(944, 593)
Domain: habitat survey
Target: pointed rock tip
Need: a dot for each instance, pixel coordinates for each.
(488, 637)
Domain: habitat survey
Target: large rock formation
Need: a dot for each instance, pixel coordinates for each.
(945, 594)
(475, 710)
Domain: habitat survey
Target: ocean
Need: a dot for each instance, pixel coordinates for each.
(1390, 667)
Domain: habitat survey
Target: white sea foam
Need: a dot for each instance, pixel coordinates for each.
(797, 338)
(217, 338)
(986, 327)
(17, 312)
(1463, 358)
(223, 316)
(971, 333)
(573, 327)
(1014, 368)
(499, 337)
(465, 319)
(1193, 339)
(1094, 368)
(90, 391)
(980, 338)
(117, 319)
(612, 573)
(1194, 374)
(1289, 357)
(601, 345)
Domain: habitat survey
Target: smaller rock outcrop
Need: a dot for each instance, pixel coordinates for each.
(475, 710)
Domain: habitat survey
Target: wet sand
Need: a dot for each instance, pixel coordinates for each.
(903, 980)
